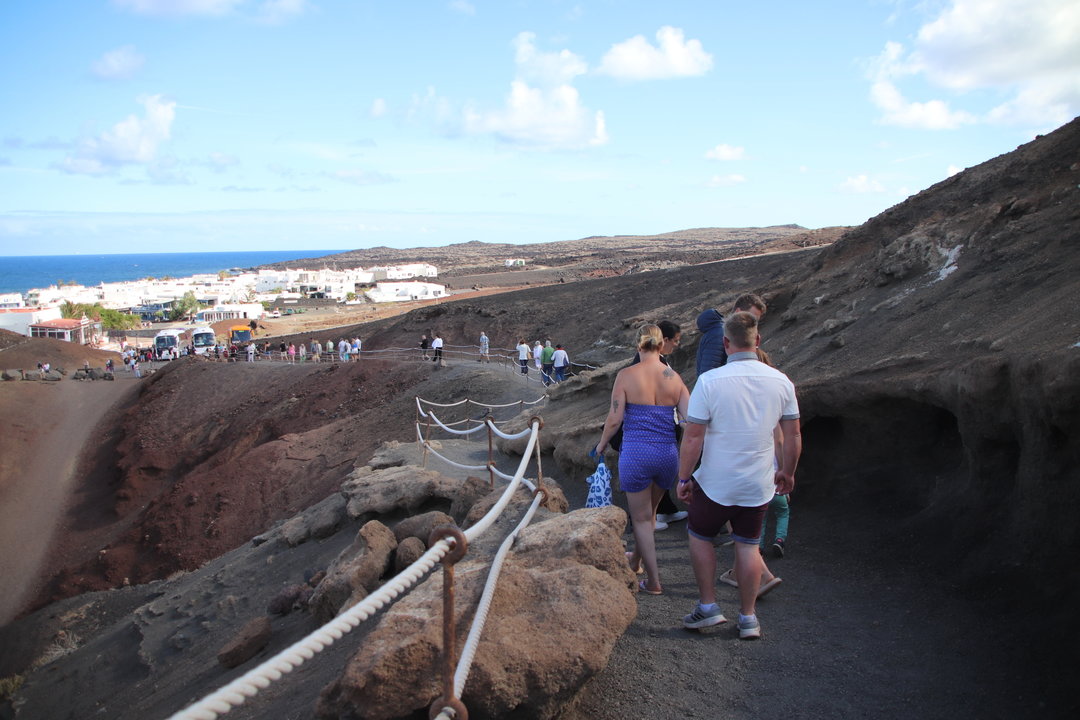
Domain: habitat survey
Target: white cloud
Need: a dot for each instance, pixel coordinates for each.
(861, 184)
(953, 170)
(378, 107)
(725, 152)
(219, 162)
(543, 108)
(118, 64)
(132, 141)
(551, 118)
(179, 7)
(1024, 49)
(898, 110)
(275, 12)
(463, 7)
(637, 59)
(726, 180)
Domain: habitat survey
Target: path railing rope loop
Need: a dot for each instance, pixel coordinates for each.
(248, 685)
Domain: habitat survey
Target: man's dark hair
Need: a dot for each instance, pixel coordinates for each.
(668, 329)
(744, 302)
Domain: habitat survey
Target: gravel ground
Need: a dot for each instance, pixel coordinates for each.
(853, 631)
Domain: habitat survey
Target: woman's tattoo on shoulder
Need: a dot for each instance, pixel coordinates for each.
(669, 373)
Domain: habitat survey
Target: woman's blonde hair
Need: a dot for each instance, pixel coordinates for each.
(650, 338)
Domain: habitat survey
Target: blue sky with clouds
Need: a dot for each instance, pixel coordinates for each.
(199, 125)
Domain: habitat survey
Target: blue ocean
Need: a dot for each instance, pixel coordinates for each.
(19, 274)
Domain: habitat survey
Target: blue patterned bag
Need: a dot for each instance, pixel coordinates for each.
(599, 487)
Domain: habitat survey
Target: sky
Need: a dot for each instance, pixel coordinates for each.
(202, 125)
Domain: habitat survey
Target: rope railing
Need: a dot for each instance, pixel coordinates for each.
(472, 642)
(449, 705)
(250, 683)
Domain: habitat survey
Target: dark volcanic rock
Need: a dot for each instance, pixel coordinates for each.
(252, 638)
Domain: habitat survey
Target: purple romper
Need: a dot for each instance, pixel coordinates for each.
(649, 453)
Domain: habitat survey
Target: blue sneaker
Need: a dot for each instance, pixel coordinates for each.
(703, 618)
(749, 628)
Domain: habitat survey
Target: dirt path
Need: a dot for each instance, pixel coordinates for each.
(854, 630)
(47, 425)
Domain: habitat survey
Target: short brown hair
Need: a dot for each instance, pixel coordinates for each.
(741, 330)
(744, 302)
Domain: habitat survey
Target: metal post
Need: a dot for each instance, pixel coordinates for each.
(458, 549)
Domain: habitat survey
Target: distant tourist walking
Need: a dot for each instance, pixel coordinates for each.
(251, 352)
(424, 345)
(292, 354)
(523, 356)
(547, 363)
(343, 350)
(436, 345)
(484, 348)
(561, 362)
(537, 351)
(301, 351)
(134, 367)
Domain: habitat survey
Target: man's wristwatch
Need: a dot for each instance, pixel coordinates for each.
(683, 482)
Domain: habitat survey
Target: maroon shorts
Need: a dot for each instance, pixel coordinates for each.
(707, 519)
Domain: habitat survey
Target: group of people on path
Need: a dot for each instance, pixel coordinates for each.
(552, 362)
(737, 456)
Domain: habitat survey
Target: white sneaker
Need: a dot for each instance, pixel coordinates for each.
(660, 525)
(672, 517)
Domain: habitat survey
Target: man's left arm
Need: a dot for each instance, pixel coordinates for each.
(785, 476)
(689, 453)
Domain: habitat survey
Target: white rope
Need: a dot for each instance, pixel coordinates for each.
(442, 405)
(469, 650)
(447, 428)
(441, 424)
(507, 436)
(248, 685)
(448, 461)
(519, 477)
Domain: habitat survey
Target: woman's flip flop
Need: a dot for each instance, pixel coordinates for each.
(647, 591)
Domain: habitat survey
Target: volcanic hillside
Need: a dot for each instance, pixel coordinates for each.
(935, 350)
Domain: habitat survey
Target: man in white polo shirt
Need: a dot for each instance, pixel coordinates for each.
(730, 421)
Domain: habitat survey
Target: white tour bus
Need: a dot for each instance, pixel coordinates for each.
(202, 337)
(167, 344)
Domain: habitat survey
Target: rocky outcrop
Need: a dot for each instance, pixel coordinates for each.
(408, 491)
(355, 572)
(252, 638)
(534, 653)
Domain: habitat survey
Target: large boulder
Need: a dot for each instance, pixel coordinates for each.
(536, 650)
(409, 490)
(13, 375)
(356, 572)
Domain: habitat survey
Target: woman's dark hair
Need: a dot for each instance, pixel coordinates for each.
(668, 329)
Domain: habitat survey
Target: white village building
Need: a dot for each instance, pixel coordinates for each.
(11, 300)
(404, 291)
(19, 320)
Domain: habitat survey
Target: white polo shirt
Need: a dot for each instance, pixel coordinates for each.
(740, 403)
